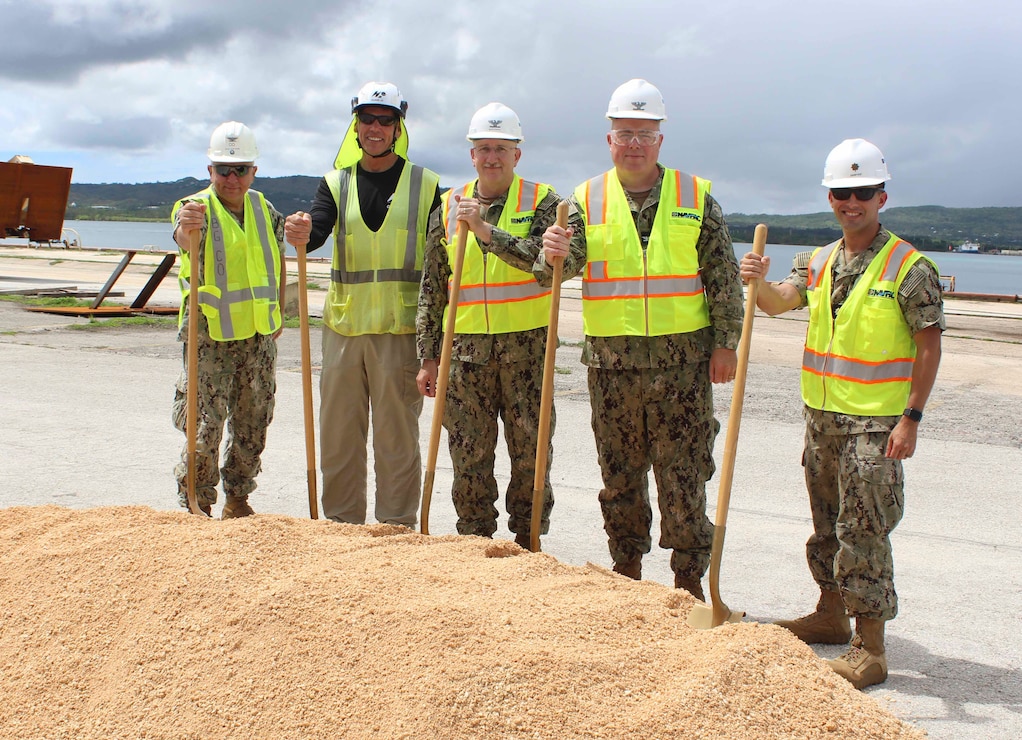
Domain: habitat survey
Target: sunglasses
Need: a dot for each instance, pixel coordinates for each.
(861, 194)
(387, 119)
(225, 170)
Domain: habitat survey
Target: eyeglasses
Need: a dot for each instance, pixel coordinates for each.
(623, 137)
(861, 194)
(386, 119)
(225, 170)
(486, 150)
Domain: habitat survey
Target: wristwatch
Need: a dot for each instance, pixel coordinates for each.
(914, 414)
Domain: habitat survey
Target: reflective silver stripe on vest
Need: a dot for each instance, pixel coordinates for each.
(501, 293)
(817, 264)
(596, 196)
(859, 372)
(902, 251)
(655, 287)
(404, 274)
(232, 297)
(452, 212)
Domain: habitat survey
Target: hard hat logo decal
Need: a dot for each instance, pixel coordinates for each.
(855, 166)
(638, 105)
(379, 94)
(495, 123)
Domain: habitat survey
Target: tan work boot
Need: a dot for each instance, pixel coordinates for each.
(865, 663)
(692, 585)
(630, 568)
(828, 625)
(235, 508)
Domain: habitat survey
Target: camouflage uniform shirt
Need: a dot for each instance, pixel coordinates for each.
(921, 303)
(277, 220)
(523, 253)
(718, 269)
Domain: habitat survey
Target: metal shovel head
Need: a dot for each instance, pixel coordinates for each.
(702, 616)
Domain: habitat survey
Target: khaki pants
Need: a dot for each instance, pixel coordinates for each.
(372, 372)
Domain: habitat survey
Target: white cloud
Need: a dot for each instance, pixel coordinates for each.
(757, 94)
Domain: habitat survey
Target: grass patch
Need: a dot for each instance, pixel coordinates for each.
(296, 323)
(29, 300)
(562, 370)
(118, 322)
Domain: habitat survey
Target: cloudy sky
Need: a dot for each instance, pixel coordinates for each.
(757, 92)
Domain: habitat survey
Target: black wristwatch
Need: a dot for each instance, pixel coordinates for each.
(914, 414)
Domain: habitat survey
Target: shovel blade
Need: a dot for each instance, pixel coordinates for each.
(705, 616)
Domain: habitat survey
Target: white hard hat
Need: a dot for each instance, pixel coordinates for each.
(854, 162)
(495, 121)
(232, 142)
(380, 93)
(637, 99)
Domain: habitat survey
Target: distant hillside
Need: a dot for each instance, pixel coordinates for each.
(153, 201)
(927, 227)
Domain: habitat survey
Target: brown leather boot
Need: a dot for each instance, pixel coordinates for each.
(524, 541)
(630, 568)
(865, 662)
(828, 625)
(236, 507)
(692, 585)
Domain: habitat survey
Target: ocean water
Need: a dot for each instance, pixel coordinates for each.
(973, 273)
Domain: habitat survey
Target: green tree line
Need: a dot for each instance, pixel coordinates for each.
(932, 228)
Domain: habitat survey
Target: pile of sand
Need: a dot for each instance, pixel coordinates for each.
(129, 622)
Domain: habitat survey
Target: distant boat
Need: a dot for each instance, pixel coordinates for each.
(968, 247)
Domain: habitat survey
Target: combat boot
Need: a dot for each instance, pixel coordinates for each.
(828, 625)
(236, 507)
(865, 662)
(630, 568)
(692, 585)
(524, 541)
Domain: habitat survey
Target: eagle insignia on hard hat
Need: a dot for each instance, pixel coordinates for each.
(638, 105)
(855, 166)
(495, 123)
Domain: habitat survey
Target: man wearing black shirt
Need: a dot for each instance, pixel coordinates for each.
(377, 205)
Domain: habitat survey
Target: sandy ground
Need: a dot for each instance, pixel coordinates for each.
(86, 423)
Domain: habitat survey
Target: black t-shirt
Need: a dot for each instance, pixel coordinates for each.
(375, 192)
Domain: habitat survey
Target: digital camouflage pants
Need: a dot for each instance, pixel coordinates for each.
(236, 387)
(857, 498)
(659, 418)
(476, 395)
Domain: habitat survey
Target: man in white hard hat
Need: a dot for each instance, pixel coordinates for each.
(240, 278)
(377, 205)
(662, 311)
(871, 356)
(501, 326)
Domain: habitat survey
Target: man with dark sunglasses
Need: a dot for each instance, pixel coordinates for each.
(377, 205)
(870, 360)
(240, 279)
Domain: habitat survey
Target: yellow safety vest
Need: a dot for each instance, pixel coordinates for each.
(374, 280)
(496, 298)
(628, 290)
(240, 290)
(859, 363)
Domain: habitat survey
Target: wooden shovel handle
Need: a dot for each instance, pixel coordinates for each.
(720, 611)
(547, 398)
(192, 393)
(310, 427)
(443, 375)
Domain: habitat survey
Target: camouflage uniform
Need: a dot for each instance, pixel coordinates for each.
(237, 383)
(856, 493)
(493, 375)
(652, 405)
